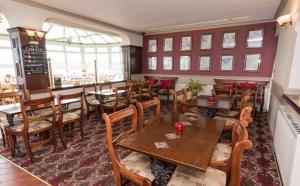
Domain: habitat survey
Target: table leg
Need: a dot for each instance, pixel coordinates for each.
(18, 152)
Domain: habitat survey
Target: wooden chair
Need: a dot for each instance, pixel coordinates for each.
(92, 104)
(167, 87)
(142, 106)
(120, 102)
(147, 91)
(135, 167)
(222, 154)
(225, 89)
(213, 176)
(70, 116)
(130, 82)
(36, 94)
(135, 92)
(180, 93)
(7, 88)
(33, 124)
(17, 120)
(105, 86)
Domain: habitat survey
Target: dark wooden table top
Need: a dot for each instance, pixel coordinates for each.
(194, 148)
(11, 109)
(108, 92)
(222, 102)
(11, 174)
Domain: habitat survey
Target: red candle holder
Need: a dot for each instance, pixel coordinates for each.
(179, 127)
(114, 90)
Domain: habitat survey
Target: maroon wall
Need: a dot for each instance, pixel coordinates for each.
(268, 51)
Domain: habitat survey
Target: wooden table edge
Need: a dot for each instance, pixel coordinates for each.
(18, 166)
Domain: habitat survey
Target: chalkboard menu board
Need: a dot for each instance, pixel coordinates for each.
(35, 59)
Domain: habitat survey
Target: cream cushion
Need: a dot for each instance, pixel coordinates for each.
(222, 153)
(70, 116)
(229, 113)
(191, 177)
(230, 122)
(33, 126)
(139, 164)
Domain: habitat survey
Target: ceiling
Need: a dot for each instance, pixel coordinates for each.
(159, 15)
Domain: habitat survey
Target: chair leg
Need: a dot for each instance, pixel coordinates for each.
(53, 139)
(60, 132)
(81, 129)
(28, 148)
(3, 137)
(87, 113)
(97, 113)
(11, 144)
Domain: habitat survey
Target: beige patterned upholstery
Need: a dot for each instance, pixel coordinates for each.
(139, 164)
(109, 99)
(229, 113)
(191, 177)
(70, 116)
(221, 153)
(17, 121)
(230, 122)
(33, 126)
(164, 91)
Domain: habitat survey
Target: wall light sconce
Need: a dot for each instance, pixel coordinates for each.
(285, 21)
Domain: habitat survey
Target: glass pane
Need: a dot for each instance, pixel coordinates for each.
(89, 61)
(56, 32)
(72, 49)
(108, 38)
(74, 65)
(89, 50)
(6, 64)
(59, 68)
(5, 43)
(54, 47)
(98, 39)
(102, 49)
(116, 49)
(3, 25)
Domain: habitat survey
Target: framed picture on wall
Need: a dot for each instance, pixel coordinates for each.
(185, 63)
(168, 63)
(252, 62)
(229, 40)
(152, 63)
(168, 44)
(206, 41)
(186, 43)
(255, 38)
(204, 63)
(227, 63)
(152, 45)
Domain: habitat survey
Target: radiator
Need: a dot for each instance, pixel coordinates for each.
(287, 147)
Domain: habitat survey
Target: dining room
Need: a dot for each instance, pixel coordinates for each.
(150, 92)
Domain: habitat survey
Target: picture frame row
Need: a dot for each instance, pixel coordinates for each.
(252, 63)
(255, 40)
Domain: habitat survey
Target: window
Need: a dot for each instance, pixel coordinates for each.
(152, 63)
(185, 63)
(74, 51)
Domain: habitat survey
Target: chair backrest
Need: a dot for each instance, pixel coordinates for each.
(13, 95)
(84, 89)
(245, 116)
(239, 144)
(131, 82)
(244, 102)
(123, 95)
(105, 86)
(27, 106)
(142, 106)
(62, 99)
(37, 94)
(110, 121)
(175, 99)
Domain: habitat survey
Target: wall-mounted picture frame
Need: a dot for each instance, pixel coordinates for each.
(252, 62)
(152, 63)
(168, 63)
(152, 45)
(206, 41)
(229, 40)
(255, 38)
(168, 44)
(227, 63)
(186, 43)
(204, 63)
(185, 63)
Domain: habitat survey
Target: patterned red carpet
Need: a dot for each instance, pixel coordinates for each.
(87, 162)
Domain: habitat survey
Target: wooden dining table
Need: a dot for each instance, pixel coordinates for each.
(193, 149)
(221, 103)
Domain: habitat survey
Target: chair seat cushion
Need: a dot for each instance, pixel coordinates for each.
(109, 99)
(221, 153)
(33, 126)
(94, 102)
(139, 164)
(229, 113)
(17, 121)
(70, 116)
(187, 176)
(230, 122)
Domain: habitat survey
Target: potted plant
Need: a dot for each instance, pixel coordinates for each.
(195, 85)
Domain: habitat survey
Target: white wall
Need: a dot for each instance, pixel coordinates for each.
(22, 15)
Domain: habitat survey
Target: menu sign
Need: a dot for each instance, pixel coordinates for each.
(35, 59)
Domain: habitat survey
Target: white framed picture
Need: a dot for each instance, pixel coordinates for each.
(152, 63)
(204, 63)
(229, 40)
(168, 44)
(168, 63)
(185, 63)
(255, 38)
(252, 62)
(206, 41)
(152, 45)
(227, 62)
(186, 43)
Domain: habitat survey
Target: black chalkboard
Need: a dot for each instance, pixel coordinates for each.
(34, 59)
